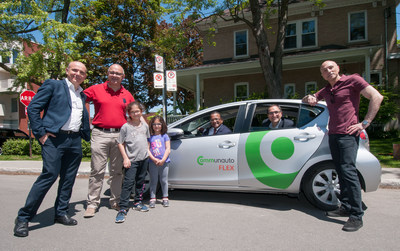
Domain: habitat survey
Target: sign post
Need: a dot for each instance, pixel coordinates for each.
(25, 98)
(169, 84)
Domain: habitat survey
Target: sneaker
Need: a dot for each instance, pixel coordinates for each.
(140, 207)
(338, 212)
(120, 216)
(90, 212)
(352, 224)
(152, 204)
(165, 203)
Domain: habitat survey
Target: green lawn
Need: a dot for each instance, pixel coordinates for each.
(25, 157)
(383, 150)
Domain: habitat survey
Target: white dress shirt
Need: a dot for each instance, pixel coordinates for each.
(75, 119)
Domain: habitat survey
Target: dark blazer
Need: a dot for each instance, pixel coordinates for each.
(285, 123)
(223, 129)
(54, 99)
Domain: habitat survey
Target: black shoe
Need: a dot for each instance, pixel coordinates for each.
(21, 228)
(65, 220)
(339, 212)
(352, 225)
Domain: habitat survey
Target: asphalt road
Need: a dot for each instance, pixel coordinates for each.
(199, 221)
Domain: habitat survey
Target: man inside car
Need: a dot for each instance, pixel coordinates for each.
(275, 120)
(217, 127)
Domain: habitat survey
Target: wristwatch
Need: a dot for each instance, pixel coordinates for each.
(365, 122)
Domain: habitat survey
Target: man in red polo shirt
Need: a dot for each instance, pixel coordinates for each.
(110, 100)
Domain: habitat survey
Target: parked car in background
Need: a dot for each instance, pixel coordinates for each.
(7, 133)
(256, 159)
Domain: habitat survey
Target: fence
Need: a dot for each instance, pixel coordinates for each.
(173, 118)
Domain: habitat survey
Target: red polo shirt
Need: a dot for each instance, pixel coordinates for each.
(109, 106)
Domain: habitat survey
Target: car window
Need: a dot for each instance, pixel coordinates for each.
(289, 112)
(191, 127)
(308, 113)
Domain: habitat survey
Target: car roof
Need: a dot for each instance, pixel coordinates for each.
(254, 101)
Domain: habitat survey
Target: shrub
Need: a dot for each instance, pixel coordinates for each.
(86, 149)
(21, 147)
(388, 112)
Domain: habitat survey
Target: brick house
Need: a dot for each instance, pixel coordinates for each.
(360, 35)
(12, 111)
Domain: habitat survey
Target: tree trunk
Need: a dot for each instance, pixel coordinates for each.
(272, 78)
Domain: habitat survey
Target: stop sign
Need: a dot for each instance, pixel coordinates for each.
(26, 97)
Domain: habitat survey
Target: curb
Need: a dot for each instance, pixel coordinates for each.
(390, 177)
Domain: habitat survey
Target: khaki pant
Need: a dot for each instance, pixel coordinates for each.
(104, 146)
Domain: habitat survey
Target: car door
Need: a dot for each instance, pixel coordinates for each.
(270, 159)
(198, 160)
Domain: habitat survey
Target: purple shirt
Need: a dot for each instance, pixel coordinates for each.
(157, 146)
(343, 101)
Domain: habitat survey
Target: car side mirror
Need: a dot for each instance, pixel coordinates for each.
(175, 133)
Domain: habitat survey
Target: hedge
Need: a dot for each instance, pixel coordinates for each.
(21, 147)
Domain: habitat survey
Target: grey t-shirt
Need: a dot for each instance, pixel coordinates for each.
(135, 139)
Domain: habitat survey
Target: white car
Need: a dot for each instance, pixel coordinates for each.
(256, 159)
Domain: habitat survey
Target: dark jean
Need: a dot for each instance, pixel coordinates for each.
(136, 173)
(61, 156)
(344, 153)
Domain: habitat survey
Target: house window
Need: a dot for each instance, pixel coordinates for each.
(5, 59)
(301, 34)
(241, 91)
(358, 26)
(14, 55)
(289, 90)
(14, 105)
(310, 87)
(241, 43)
(376, 77)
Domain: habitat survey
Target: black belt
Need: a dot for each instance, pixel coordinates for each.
(107, 129)
(68, 132)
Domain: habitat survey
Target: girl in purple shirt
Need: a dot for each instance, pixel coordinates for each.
(159, 150)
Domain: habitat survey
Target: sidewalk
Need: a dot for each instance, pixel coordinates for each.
(390, 176)
(35, 167)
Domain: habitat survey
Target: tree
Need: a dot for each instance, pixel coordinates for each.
(124, 28)
(50, 20)
(181, 45)
(130, 35)
(256, 15)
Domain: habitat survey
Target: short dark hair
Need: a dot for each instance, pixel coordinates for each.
(129, 106)
(280, 109)
(215, 112)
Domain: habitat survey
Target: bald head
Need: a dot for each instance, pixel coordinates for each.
(76, 73)
(330, 71)
(115, 75)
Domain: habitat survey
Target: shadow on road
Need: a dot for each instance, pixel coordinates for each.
(278, 202)
(46, 217)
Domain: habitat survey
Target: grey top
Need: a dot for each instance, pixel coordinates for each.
(135, 139)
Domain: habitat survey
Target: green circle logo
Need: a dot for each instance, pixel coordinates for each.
(282, 148)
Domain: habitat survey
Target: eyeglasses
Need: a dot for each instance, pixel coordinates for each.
(156, 124)
(115, 73)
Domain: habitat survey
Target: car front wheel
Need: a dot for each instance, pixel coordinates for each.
(321, 186)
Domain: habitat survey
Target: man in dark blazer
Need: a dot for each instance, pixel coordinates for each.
(64, 123)
(217, 126)
(275, 120)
